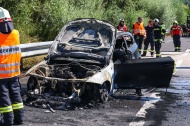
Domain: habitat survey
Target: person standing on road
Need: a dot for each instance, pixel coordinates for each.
(10, 54)
(176, 33)
(122, 26)
(139, 33)
(157, 32)
(149, 39)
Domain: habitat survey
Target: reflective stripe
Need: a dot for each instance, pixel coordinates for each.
(145, 50)
(10, 53)
(151, 50)
(163, 26)
(18, 106)
(6, 109)
(155, 29)
(177, 48)
(9, 65)
(9, 71)
(9, 50)
(157, 54)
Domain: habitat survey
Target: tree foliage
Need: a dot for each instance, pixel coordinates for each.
(41, 20)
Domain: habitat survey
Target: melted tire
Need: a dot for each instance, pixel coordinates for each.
(102, 92)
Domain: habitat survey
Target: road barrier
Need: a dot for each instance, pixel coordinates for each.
(34, 49)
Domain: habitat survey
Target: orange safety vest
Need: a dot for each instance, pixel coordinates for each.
(176, 30)
(10, 55)
(139, 29)
(122, 28)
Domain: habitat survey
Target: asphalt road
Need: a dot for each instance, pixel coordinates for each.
(155, 108)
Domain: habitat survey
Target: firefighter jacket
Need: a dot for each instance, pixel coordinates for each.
(138, 29)
(157, 32)
(176, 30)
(10, 55)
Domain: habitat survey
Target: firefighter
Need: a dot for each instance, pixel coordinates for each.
(149, 39)
(139, 33)
(176, 33)
(11, 104)
(122, 26)
(157, 32)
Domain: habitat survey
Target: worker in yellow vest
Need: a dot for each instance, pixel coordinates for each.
(11, 104)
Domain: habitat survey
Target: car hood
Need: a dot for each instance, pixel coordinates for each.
(88, 39)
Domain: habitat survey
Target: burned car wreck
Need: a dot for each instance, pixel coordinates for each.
(90, 57)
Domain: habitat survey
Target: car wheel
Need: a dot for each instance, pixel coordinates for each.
(102, 92)
(33, 85)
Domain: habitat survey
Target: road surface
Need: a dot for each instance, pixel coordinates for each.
(155, 108)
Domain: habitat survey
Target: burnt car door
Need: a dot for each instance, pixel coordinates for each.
(143, 73)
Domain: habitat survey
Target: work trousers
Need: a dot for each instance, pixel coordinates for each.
(177, 42)
(149, 40)
(10, 101)
(158, 45)
(139, 40)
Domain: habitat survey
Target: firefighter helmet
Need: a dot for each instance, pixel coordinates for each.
(175, 22)
(156, 20)
(4, 14)
(120, 20)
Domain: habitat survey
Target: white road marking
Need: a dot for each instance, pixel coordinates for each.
(142, 112)
(170, 40)
(150, 104)
(178, 63)
(187, 51)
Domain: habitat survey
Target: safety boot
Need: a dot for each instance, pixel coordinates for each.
(138, 92)
(144, 54)
(152, 54)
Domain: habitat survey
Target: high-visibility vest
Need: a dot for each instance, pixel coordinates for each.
(10, 55)
(163, 28)
(139, 29)
(122, 28)
(176, 30)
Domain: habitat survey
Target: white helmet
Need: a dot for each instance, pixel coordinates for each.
(120, 20)
(156, 20)
(175, 22)
(4, 13)
(6, 25)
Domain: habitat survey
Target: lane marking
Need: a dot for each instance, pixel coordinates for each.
(178, 63)
(170, 40)
(150, 104)
(142, 112)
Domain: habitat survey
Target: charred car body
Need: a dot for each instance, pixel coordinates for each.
(90, 57)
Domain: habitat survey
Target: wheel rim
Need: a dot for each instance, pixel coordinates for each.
(104, 92)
